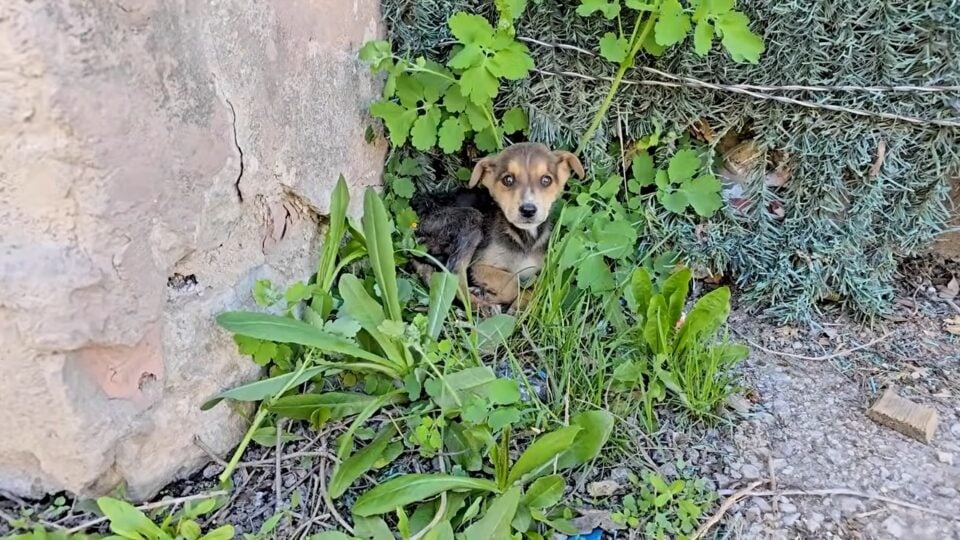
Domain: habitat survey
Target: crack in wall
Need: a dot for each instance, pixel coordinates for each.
(236, 143)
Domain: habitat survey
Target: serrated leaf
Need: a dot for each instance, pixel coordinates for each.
(514, 120)
(411, 488)
(595, 275)
(479, 85)
(617, 239)
(402, 187)
(470, 28)
(736, 37)
(643, 170)
(703, 194)
(683, 165)
(609, 9)
(544, 492)
(397, 119)
(423, 136)
(672, 25)
(454, 100)
(613, 47)
(651, 46)
(512, 63)
(485, 140)
(451, 135)
(703, 38)
(376, 53)
(674, 201)
(468, 56)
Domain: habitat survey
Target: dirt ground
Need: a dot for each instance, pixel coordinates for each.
(808, 429)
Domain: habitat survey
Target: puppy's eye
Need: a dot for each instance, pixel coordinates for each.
(507, 180)
(545, 181)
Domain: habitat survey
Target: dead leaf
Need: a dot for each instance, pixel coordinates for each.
(952, 325)
(950, 290)
(878, 162)
(604, 488)
(591, 519)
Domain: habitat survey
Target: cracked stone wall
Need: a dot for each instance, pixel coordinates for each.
(156, 158)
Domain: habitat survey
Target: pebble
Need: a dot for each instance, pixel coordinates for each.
(762, 504)
(790, 519)
(788, 508)
(621, 475)
(750, 472)
(211, 470)
(945, 457)
(814, 522)
(851, 505)
(894, 527)
(753, 514)
(605, 488)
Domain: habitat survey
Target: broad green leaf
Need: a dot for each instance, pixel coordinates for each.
(411, 488)
(127, 521)
(494, 331)
(466, 445)
(617, 239)
(441, 531)
(485, 140)
(512, 63)
(683, 165)
(596, 427)
(286, 330)
(674, 201)
(736, 37)
(643, 170)
(655, 326)
(477, 117)
(500, 418)
(376, 53)
(469, 28)
(377, 231)
(542, 451)
(339, 404)
(402, 187)
(609, 8)
(359, 463)
(267, 436)
(613, 47)
(594, 274)
(544, 492)
(454, 99)
(703, 194)
(703, 37)
(510, 10)
(459, 386)
(372, 528)
(640, 5)
(451, 135)
(364, 309)
(706, 317)
(398, 119)
(503, 392)
(495, 523)
(652, 47)
(468, 56)
(443, 289)
(641, 286)
(479, 85)
(423, 136)
(263, 389)
(672, 25)
(514, 120)
(675, 289)
(225, 532)
(336, 228)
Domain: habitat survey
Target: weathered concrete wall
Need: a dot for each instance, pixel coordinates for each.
(156, 157)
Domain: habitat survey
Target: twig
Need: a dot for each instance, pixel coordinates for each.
(724, 507)
(286, 457)
(150, 506)
(853, 493)
(277, 471)
(326, 496)
(826, 357)
(773, 483)
(209, 451)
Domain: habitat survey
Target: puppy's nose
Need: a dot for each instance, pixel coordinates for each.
(528, 210)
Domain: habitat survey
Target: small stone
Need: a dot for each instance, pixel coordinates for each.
(722, 480)
(851, 505)
(739, 404)
(621, 475)
(788, 508)
(894, 527)
(790, 519)
(946, 491)
(753, 514)
(762, 504)
(945, 457)
(211, 470)
(750, 472)
(814, 522)
(605, 488)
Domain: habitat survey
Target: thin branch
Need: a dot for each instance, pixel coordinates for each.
(826, 357)
(724, 508)
(853, 493)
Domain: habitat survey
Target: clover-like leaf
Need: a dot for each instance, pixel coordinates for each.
(643, 169)
(736, 37)
(683, 165)
(512, 62)
(451, 135)
(479, 85)
(703, 194)
(514, 120)
(469, 28)
(613, 47)
(470, 55)
(424, 132)
(609, 9)
(702, 38)
(672, 25)
(674, 201)
(398, 119)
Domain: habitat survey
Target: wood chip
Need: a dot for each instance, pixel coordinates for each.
(904, 416)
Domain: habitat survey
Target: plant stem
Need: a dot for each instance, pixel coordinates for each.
(635, 44)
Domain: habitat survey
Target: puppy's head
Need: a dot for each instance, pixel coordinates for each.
(525, 180)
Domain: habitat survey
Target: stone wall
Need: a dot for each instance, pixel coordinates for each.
(157, 157)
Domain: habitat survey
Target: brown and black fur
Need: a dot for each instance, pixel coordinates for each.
(495, 236)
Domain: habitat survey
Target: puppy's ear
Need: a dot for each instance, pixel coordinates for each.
(567, 163)
(482, 171)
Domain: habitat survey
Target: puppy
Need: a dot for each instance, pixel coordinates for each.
(495, 237)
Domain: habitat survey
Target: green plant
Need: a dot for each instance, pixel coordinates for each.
(684, 183)
(661, 24)
(664, 510)
(444, 105)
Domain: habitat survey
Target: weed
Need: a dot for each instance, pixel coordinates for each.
(662, 510)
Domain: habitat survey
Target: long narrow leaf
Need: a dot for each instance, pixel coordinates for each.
(260, 390)
(597, 427)
(378, 230)
(495, 523)
(411, 488)
(339, 404)
(542, 452)
(360, 306)
(443, 289)
(339, 201)
(359, 463)
(286, 330)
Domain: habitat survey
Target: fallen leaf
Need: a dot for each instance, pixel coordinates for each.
(604, 488)
(591, 519)
(952, 326)
(950, 291)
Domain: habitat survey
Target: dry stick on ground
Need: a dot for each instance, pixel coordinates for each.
(277, 471)
(724, 507)
(209, 451)
(773, 483)
(826, 357)
(326, 495)
(853, 493)
(151, 506)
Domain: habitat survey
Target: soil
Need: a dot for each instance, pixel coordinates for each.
(820, 467)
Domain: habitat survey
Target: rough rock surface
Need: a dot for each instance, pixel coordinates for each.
(155, 159)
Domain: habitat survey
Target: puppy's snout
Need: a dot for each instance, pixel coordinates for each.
(528, 210)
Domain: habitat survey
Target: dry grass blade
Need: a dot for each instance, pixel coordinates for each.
(724, 508)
